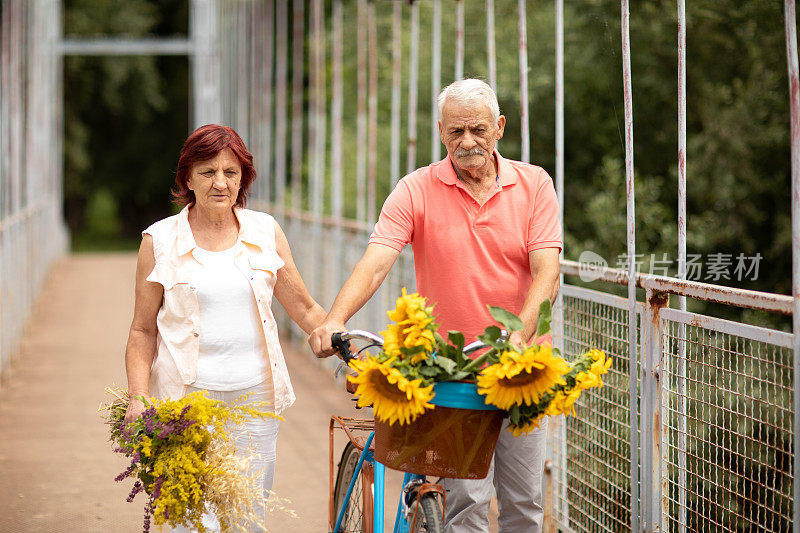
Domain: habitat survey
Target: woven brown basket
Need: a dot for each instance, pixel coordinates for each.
(443, 442)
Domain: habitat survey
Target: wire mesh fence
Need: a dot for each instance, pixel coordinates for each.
(591, 452)
(728, 427)
(726, 436)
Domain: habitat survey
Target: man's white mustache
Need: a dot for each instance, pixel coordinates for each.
(463, 153)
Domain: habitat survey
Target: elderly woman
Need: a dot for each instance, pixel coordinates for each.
(204, 282)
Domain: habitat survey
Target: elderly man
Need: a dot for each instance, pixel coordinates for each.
(484, 231)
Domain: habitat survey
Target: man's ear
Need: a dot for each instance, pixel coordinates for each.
(441, 133)
(501, 126)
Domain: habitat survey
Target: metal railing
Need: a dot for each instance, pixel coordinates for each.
(695, 428)
(715, 416)
(32, 230)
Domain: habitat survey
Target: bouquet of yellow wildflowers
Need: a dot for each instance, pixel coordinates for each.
(528, 382)
(182, 455)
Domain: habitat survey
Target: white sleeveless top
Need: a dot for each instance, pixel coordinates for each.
(232, 352)
(178, 263)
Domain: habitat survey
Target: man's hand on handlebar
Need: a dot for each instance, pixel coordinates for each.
(320, 338)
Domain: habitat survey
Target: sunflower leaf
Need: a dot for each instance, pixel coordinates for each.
(490, 335)
(508, 319)
(429, 371)
(448, 365)
(459, 376)
(408, 352)
(457, 340)
(545, 316)
(438, 338)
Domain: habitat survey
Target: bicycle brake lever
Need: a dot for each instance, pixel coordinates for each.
(339, 368)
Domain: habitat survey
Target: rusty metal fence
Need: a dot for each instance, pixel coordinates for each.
(714, 416)
(589, 456)
(727, 434)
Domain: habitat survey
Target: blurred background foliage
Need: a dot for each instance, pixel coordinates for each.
(126, 119)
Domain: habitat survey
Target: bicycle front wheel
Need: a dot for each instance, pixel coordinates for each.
(358, 513)
(428, 518)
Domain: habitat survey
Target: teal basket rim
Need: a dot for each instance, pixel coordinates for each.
(460, 395)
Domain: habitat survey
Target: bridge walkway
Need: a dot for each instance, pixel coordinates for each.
(56, 465)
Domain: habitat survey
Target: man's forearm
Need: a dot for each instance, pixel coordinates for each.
(529, 315)
(545, 285)
(356, 292)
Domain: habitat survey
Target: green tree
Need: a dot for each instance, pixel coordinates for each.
(125, 117)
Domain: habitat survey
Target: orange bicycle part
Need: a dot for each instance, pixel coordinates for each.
(350, 426)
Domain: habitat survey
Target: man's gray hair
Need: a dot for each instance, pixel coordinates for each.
(470, 91)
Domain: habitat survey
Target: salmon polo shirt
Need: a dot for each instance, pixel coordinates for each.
(468, 255)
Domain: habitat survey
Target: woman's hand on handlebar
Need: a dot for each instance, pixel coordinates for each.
(320, 338)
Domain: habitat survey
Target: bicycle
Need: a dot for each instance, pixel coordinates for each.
(356, 500)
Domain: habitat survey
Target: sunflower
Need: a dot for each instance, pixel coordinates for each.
(563, 403)
(410, 308)
(525, 427)
(601, 363)
(522, 378)
(393, 397)
(413, 328)
(407, 336)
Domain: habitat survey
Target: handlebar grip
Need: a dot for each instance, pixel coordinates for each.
(343, 346)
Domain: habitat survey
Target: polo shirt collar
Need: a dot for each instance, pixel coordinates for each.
(250, 234)
(505, 173)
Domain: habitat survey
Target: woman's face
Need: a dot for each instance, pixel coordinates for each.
(216, 182)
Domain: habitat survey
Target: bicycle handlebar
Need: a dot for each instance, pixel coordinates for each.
(343, 345)
(341, 341)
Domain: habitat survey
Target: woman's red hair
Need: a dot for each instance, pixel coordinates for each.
(203, 144)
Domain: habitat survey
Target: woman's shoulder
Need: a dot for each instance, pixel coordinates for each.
(257, 222)
(257, 227)
(249, 216)
(162, 228)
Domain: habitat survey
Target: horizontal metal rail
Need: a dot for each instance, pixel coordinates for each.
(111, 46)
(25, 213)
(762, 301)
(756, 333)
(602, 298)
(348, 224)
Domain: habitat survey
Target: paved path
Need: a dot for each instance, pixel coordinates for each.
(56, 464)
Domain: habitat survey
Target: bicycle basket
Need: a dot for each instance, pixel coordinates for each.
(455, 440)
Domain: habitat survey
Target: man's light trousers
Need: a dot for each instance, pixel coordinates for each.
(516, 472)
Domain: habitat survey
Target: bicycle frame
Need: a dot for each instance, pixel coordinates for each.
(401, 523)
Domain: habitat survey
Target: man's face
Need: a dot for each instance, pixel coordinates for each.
(469, 133)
